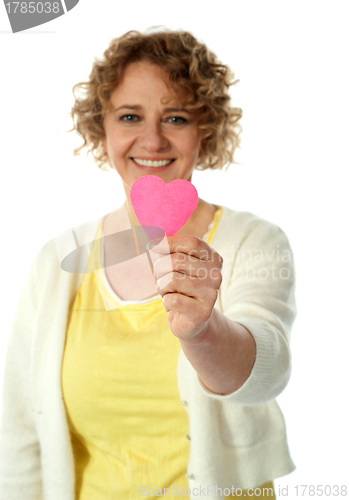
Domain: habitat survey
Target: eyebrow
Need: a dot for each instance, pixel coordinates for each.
(167, 110)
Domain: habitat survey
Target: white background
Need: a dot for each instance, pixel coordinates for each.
(292, 62)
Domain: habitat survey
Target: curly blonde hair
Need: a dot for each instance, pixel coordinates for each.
(190, 65)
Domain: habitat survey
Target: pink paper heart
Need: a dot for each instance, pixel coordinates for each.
(168, 206)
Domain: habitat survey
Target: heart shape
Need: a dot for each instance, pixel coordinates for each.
(168, 206)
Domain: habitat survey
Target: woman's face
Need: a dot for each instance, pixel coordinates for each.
(148, 130)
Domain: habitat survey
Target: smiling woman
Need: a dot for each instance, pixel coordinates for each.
(188, 67)
(133, 377)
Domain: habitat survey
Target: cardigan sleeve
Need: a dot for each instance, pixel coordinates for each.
(258, 292)
(20, 466)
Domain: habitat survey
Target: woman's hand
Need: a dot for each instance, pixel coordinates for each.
(188, 274)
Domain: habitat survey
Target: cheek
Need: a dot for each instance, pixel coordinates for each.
(194, 150)
(118, 145)
(191, 146)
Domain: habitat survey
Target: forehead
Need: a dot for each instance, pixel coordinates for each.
(144, 80)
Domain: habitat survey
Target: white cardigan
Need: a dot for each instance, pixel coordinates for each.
(237, 440)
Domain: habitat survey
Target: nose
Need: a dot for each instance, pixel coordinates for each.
(151, 137)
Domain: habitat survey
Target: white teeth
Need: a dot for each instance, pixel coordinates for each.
(148, 163)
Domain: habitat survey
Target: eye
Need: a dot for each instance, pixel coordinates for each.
(128, 118)
(177, 119)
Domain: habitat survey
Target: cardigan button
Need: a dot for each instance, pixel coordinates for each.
(184, 403)
(190, 476)
(188, 437)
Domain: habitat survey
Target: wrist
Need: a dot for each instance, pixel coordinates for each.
(206, 334)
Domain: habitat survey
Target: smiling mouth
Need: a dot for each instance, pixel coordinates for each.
(154, 164)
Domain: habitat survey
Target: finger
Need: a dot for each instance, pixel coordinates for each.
(191, 266)
(187, 285)
(163, 265)
(190, 307)
(187, 244)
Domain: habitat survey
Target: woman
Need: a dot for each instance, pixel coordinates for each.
(127, 382)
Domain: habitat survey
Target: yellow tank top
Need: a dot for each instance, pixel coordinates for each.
(119, 381)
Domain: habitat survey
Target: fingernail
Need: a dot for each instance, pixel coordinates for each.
(154, 244)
